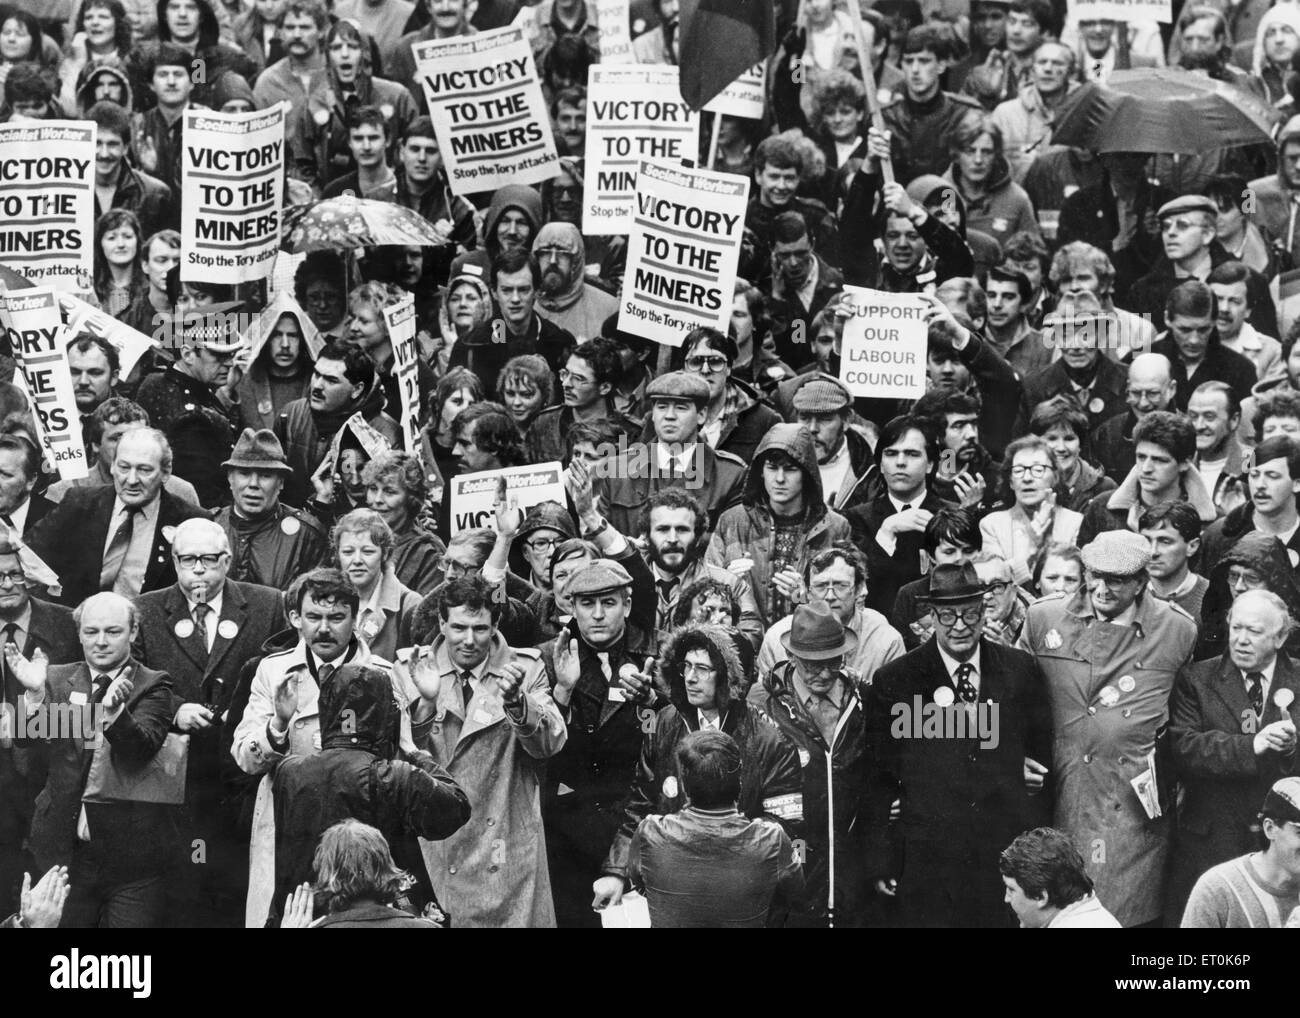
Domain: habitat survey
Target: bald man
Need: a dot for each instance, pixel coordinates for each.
(201, 630)
(117, 538)
(117, 852)
(1234, 734)
(1150, 387)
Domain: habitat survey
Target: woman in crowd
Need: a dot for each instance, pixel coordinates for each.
(102, 36)
(456, 390)
(1060, 570)
(119, 276)
(524, 387)
(397, 489)
(466, 302)
(1064, 427)
(363, 550)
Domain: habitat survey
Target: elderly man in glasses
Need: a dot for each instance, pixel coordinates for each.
(953, 727)
(1005, 604)
(1110, 653)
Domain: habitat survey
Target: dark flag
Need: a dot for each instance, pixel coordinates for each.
(721, 39)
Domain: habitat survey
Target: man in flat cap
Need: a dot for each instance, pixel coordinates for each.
(189, 401)
(270, 542)
(1109, 654)
(588, 780)
(1187, 232)
(1260, 890)
(844, 455)
(674, 457)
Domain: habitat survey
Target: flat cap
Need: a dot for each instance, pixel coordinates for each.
(679, 385)
(1117, 552)
(822, 396)
(1187, 203)
(597, 577)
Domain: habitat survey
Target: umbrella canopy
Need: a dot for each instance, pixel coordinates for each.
(1163, 110)
(347, 223)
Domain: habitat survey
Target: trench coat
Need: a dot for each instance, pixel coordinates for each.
(493, 871)
(1109, 687)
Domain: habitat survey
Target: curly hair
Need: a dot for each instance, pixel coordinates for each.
(494, 431)
(530, 369)
(705, 588)
(409, 472)
(353, 863)
(368, 522)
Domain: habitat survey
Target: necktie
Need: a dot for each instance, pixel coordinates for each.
(117, 549)
(324, 674)
(603, 657)
(1098, 70)
(965, 688)
(11, 689)
(200, 613)
(467, 687)
(101, 684)
(1255, 690)
(905, 506)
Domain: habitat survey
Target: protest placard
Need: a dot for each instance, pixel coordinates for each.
(488, 111)
(1134, 12)
(400, 318)
(742, 98)
(34, 329)
(634, 112)
(682, 252)
(474, 495)
(82, 317)
(47, 201)
(615, 36)
(883, 352)
(232, 182)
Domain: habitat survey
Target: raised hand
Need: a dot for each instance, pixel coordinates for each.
(298, 908)
(30, 674)
(509, 517)
(42, 905)
(425, 675)
(568, 666)
(286, 701)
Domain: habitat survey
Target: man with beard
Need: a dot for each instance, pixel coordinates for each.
(562, 203)
(282, 718)
(343, 382)
(1215, 412)
(1193, 347)
(423, 187)
(1078, 328)
(587, 384)
(270, 543)
(735, 419)
(844, 455)
(301, 26)
(567, 300)
(673, 525)
(516, 328)
(1149, 388)
(967, 474)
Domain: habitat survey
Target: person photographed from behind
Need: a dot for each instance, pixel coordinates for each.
(1047, 887)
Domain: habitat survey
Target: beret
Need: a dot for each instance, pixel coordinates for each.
(1187, 203)
(679, 385)
(1117, 552)
(597, 577)
(822, 396)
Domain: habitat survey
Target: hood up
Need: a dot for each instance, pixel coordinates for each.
(795, 441)
(357, 710)
(718, 644)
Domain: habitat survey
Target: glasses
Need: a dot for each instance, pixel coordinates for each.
(823, 587)
(1111, 580)
(1178, 225)
(451, 569)
(949, 616)
(1148, 394)
(209, 561)
(996, 587)
(552, 252)
(792, 256)
(706, 364)
(568, 376)
(705, 671)
(17, 578)
(542, 543)
(1033, 470)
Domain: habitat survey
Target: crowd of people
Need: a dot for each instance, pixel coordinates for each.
(1020, 650)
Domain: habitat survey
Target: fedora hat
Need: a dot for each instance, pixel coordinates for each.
(951, 584)
(258, 450)
(816, 633)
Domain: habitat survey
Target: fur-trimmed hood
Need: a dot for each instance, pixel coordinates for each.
(721, 649)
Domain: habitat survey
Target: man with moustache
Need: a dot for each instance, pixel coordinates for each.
(117, 184)
(1273, 484)
(200, 631)
(270, 542)
(566, 299)
(301, 26)
(844, 456)
(1233, 735)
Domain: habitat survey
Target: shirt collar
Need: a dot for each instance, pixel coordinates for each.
(834, 696)
(952, 664)
(213, 602)
(23, 622)
(663, 457)
(148, 511)
(899, 503)
(1266, 672)
(18, 515)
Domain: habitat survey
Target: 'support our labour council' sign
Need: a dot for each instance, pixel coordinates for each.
(47, 201)
(232, 190)
(884, 345)
(682, 252)
(487, 108)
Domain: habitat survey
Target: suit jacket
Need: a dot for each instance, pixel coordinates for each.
(1223, 780)
(71, 540)
(888, 572)
(38, 507)
(128, 841)
(963, 799)
(22, 766)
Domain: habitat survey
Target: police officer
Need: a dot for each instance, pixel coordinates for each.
(1110, 653)
(270, 542)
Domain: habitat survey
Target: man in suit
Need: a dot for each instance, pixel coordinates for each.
(890, 528)
(20, 468)
(1233, 736)
(117, 853)
(952, 727)
(117, 538)
(199, 631)
(29, 625)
